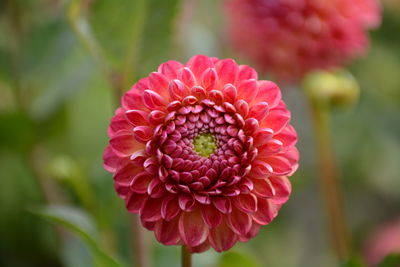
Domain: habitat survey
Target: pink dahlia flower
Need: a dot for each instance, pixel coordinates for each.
(202, 152)
(291, 37)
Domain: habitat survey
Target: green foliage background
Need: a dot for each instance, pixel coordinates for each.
(60, 62)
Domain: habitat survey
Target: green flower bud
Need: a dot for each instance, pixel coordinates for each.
(331, 88)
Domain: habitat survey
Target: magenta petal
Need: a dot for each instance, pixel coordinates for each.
(276, 120)
(140, 182)
(230, 93)
(186, 202)
(125, 173)
(247, 90)
(170, 69)
(110, 159)
(211, 216)
(158, 83)
(268, 92)
(153, 100)
(259, 111)
(287, 136)
(151, 210)
(246, 73)
(246, 203)
(187, 77)
(280, 165)
(261, 169)
(223, 204)
(192, 228)
(200, 248)
(266, 211)
(124, 144)
(135, 202)
(227, 71)
(222, 238)
(209, 79)
(262, 136)
(255, 228)
(170, 208)
(263, 188)
(177, 90)
(167, 232)
(118, 123)
(198, 64)
(282, 187)
(143, 133)
(239, 222)
(137, 117)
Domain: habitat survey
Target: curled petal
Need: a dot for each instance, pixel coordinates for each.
(287, 136)
(192, 228)
(246, 73)
(266, 211)
(140, 182)
(261, 169)
(118, 123)
(177, 90)
(198, 64)
(277, 119)
(268, 92)
(142, 133)
(223, 204)
(227, 71)
(246, 203)
(282, 188)
(263, 188)
(259, 111)
(135, 202)
(247, 90)
(222, 237)
(137, 117)
(187, 77)
(186, 202)
(152, 100)
(262, 136)
(209, 79)
(230, 93)
(280, 165)
(159, 83)
(212, 217)
(170, 208)
(110, 159)
(167, 232)
(124, 144)
(239, 222)
(151, 210)
(170, 69)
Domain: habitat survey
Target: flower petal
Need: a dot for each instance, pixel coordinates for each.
(282, 188)
(151, 210)
(198, 64)
(170, 69)
(222, 238)
(266, 211)
(247, 90)
(263, 188)
(246, 202)
(211, 216)
(135, 202)
(110, 159)
(239, 222)
(124, 144)
(192, 228)
(268, 92)
(167, 232)
(227, 71)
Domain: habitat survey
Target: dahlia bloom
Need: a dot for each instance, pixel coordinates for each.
(291, 37)
(202, 152)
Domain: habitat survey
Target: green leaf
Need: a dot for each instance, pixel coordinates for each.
(81, 224)
(392, 260)
(236, 259)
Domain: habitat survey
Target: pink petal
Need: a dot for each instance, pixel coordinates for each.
(137, 117)
(167, 232)
(222, 238)
(124, 144)
(135, 202)
(227, 71)
(260, 169)
(223, 204)
(255, 228)
(170, 208)
(280, 165)
(209, 79)
(268, 92)
(247, 90)
(177, 90)
(140, 182)
(277, 119)
(156, 188)
(133, 100)
(151, 210)
(143, 133)
(211, 216)
(246, 73)
(110, 159)
(192, 228)
(186, 202)
(153, 100)
(200, 248)
(250, 126)
(230, 93)
(239, 222)
(170, 69)
(198, 64)
(262, 136)
(159, 84)
(266, 211)
(287, 136)
(242, 107)
(118, 123)
(273, 146)
(246, 202)
(263, 188)
(282, 187)
(259, 111)
(187, 77)
(156, 117)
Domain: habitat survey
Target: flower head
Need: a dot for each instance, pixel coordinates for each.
(291, 37)
(202, 152)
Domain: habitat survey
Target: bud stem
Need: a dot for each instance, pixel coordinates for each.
(186, 257)
(329, 181)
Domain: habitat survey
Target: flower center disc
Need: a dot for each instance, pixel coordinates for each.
(204, 144)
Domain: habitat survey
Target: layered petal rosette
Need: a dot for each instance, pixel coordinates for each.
(202, 152)
(291, 37)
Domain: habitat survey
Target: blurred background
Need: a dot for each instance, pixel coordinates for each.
(62, 66)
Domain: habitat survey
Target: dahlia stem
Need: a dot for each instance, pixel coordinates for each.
(329, 181)
(186, 257)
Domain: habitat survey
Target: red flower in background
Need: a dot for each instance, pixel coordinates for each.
(202, 152)
(291, 37)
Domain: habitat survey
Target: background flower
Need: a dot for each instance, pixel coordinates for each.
(202, 152)
(289, 38)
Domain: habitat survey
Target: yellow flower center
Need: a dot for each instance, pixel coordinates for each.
(204, 144)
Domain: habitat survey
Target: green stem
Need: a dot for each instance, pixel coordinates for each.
(140, 14)
(330, 182)
(186, 257)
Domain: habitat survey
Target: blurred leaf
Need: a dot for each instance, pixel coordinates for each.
(392, 260)
(80, 223)
(353, 262)
(236, 259)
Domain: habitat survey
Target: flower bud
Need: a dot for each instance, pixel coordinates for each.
(331, 88)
